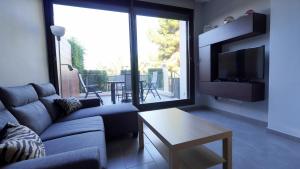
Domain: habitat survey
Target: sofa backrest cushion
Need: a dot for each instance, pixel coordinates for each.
(54, 110)
(47, 95)
(23, 103)
(44, 90)
(6, 116)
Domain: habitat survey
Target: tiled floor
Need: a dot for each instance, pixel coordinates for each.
(124, 154)
(253, 148)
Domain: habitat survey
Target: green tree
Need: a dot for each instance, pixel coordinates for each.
(77, 52)
(166, 37)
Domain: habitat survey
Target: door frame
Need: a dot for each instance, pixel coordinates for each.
(152, 9)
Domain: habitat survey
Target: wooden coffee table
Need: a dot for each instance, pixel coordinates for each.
(179, 137)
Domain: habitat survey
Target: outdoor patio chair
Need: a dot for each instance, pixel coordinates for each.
(152, 86)
(119, 86)
(90, 89)
(127, 88)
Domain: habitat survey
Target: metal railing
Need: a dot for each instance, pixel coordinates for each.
(102, 81)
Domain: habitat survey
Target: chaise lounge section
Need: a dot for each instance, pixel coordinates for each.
(118, 119)
(73, 141)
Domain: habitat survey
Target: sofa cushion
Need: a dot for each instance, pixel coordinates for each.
(6, 116)
(3, 127)
(90, 102)
(18, 96)
(54, 110)
(44, 90)
(20, 143)
(72, 127)
(47, 94)
(106, 110)
(118, 119)
(23, 103)
(82, 113)
(78, 141)
(117, 109)
(87, 158)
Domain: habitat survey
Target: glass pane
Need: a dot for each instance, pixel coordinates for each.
(96, 44)
(162, 55)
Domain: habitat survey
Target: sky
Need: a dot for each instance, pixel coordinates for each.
(105, 35)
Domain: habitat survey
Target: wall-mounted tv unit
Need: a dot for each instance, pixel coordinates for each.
(242, 65)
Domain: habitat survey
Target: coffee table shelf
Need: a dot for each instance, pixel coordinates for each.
(199, 157)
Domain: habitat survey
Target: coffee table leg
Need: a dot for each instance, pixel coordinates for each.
(227, 153)
(141, 135)
(173, 160)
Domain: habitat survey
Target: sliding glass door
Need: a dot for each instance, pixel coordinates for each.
(122, 52)
(162, 58)
(164, 55)
(96, 45)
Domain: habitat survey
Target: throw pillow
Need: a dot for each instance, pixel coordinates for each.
(69, 105)
(20, 143)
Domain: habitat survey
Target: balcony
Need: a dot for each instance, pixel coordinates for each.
(72, 86)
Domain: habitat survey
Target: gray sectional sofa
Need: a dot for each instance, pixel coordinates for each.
(75, 141)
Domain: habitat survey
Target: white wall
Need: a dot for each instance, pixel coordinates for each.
(23, 56)
(216, 10)
(180, 3)
(284, 102)
(214, 13)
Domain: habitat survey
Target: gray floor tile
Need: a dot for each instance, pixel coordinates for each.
(151, 165)
(253, 148)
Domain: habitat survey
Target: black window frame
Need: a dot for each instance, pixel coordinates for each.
(171, 12)
(134, 8)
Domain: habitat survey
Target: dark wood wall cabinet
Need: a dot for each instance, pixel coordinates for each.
(210, 45)
(250, 92)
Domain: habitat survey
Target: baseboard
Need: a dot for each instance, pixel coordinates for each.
(237, 116)
(287, 136)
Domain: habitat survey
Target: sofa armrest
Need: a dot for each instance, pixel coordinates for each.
(79, 159)
(87, 103)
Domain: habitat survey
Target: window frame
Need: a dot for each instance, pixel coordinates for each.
(158, 10)
(133, 8)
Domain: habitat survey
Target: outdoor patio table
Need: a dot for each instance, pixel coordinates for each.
(113, 85)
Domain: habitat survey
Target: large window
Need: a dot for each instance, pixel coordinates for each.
(162, 56)
(98, 50)
(122, 52)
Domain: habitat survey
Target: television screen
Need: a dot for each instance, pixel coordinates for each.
(242, 65)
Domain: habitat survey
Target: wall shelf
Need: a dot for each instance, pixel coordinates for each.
(244, 27)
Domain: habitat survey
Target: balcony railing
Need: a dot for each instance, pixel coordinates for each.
(101, 80)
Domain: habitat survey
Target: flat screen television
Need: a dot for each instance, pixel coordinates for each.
(242, 65)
